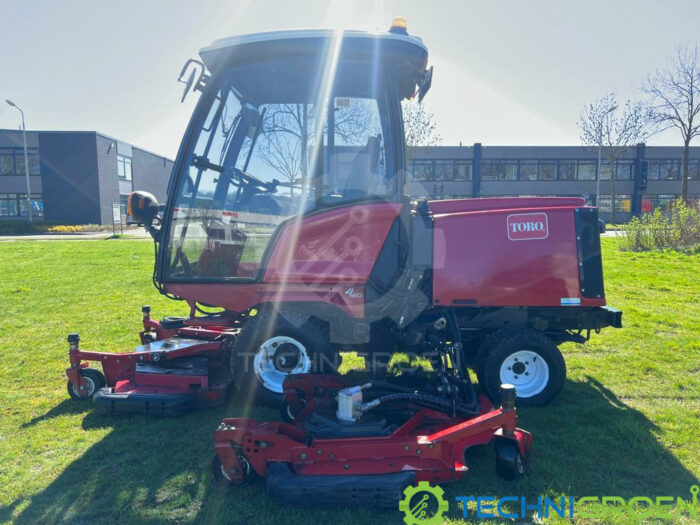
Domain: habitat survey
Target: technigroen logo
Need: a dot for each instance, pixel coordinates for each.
(423, 504)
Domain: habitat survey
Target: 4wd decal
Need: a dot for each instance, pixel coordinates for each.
(527, 226)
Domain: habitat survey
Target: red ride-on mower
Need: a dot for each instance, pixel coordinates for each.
(287, 199)
(363, 444)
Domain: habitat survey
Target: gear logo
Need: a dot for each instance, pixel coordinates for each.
(416, 509)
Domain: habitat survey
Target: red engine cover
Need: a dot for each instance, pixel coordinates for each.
(507, 252)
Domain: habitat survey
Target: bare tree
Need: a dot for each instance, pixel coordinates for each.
(674, 90)
(289, 130)
(613, 130)
(419, 127)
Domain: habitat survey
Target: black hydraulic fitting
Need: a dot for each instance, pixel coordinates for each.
(146, 310)
(73, 341)
(507, 397)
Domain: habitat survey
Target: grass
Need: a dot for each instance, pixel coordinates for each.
(626, 424)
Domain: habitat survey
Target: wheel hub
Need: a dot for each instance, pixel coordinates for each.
(527, 370)
(278, 357)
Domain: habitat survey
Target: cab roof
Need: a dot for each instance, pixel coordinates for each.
(404, 55)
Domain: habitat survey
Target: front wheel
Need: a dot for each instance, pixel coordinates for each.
(272, 346)
(510, 464)
(94, 381)
(527, 359)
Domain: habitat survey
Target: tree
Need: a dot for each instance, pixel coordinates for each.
(674, 92)
(613, 131)
(289, 132)
(419, 127)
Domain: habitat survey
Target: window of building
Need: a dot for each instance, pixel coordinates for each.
(500, 170)
(15, 205)
(8, 205)
(422, 170)
(694, 169)
(662, 202)
(124, 167)
(663, 169)
(463, 170)
(123, 204)
(625, 169)
(586, 170)
(444, 170)
(623, 203)
(7, 162)
(548, 170)
(12, 161)
(567, 170)
(528, 170)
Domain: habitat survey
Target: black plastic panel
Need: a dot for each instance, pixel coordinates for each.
(589, 258)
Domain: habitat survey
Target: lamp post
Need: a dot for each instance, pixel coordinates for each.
(26, 160)
(600, 152)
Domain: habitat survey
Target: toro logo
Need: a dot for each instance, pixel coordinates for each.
(527, 226)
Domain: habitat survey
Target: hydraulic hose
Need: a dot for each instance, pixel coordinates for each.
(419, 399)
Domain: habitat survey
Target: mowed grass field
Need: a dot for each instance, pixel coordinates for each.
(626, 424)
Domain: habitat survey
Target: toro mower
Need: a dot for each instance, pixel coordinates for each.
(287, 232)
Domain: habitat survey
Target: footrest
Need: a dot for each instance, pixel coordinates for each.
(106, 401)
(375, 490)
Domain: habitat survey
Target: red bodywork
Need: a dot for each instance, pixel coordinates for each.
(476, 261)
(314, 259)
(430, 443)
(506, 252)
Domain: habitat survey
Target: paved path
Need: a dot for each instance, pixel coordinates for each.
(139, 234)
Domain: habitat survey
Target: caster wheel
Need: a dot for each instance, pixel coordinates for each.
(221, 476)
(289, 413)
(510, 464)
(95, 381)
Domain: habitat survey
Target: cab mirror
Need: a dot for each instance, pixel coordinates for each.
(142, 207)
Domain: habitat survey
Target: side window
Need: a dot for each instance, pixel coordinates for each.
(354, 152)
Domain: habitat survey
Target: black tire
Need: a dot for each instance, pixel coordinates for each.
(487, 345)
(288, 413)
(510, 343)
(308, 335)
(249, 474)
(510, 464)
(95, 381)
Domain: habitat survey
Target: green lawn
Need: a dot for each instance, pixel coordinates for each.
(627, 423)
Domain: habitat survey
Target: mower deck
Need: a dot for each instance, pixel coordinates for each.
(182, 365)
(300, 467)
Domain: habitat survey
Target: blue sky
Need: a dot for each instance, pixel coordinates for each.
(506, 72)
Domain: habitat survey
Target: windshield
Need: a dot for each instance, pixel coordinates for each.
(272, 146)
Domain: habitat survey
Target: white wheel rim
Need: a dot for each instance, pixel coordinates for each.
(271, 364)
(90, 388)
(527, 370)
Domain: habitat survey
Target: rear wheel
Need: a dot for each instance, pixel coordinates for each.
(272, 346)
(527, 359)
(94, 381)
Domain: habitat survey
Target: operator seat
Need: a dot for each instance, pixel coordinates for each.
(364, 166)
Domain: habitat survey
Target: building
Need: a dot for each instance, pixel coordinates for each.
(75, 176)
(445, 172)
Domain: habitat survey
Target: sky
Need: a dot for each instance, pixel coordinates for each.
(506, 72)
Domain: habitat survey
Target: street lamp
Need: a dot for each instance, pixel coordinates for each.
(600, 151)
(26, 161)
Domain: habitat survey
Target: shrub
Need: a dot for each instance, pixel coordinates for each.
(677, 229)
